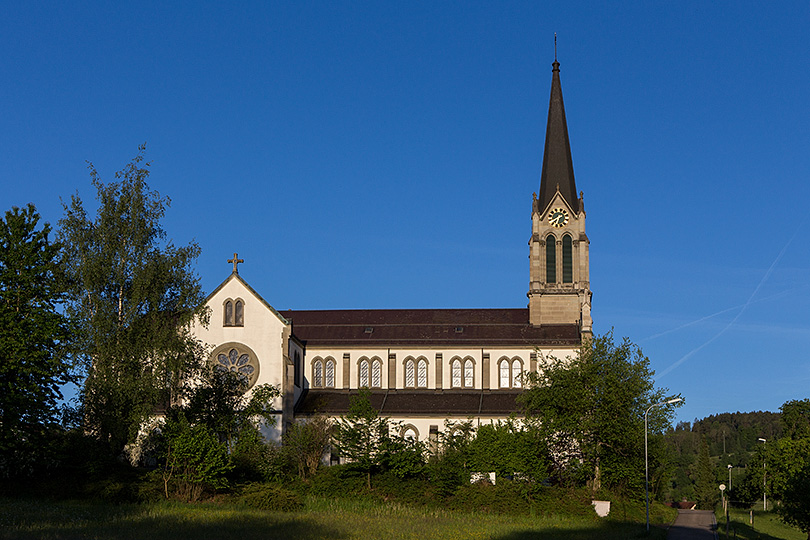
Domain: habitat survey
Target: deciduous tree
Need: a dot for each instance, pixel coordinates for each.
(133, 293)
(590, 410)
(795, 418)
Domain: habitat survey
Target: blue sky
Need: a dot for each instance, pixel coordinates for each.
(383, 155)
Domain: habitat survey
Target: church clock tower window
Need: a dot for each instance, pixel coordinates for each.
(551, 259)
(567, 259)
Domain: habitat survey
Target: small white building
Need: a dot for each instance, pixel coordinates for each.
(423, 366)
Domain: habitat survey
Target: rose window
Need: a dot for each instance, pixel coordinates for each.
(239, 363)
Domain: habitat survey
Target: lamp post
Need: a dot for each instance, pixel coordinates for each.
(764, 457)
(646, 461)
(730, 466)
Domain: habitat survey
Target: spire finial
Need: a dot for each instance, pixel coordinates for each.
(555, 65)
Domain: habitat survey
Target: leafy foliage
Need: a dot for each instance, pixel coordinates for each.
(32, 337)
(510, 449)
(219, 401)
(306, 443)
(364, 438)
(795, 506)
(590, 410)
(795, 418)
(132, 296)
(271, 497)
(195, 459)
(705, 485)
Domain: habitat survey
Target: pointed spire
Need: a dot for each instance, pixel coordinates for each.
(558, 168)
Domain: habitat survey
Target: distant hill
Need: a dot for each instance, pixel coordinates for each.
(733, 435)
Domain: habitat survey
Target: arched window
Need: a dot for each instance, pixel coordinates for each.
(456, 373)
(551, 259)
(410, 433)
(228, 315)
(317, 374)
(376, 373)
(504, 374)
(410, 375)
(329, 381)
(469, 372)
(239, 313)
(422, 376)
(363, 373)
(517, 372)
(567, 259)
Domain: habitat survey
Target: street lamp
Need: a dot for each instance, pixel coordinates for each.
(764, 457)
(646, 461)
(730, 466)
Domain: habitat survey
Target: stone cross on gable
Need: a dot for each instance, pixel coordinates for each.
(235, 261)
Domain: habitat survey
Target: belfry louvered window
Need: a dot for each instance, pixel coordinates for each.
(567, 260)
(551, 259)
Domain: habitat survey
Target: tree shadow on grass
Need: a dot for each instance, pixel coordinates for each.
(608, 530)
(134, 522)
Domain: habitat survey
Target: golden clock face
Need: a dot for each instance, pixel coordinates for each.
(558, 217)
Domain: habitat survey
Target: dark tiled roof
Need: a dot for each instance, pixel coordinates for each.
(414, 402)
(426, 327)
(558, 168)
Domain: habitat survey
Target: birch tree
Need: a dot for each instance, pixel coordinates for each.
(133, 293)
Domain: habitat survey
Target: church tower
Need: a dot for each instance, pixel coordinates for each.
(559, 288)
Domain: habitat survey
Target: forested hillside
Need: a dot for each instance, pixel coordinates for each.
(731, 438)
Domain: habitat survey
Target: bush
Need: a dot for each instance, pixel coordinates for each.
(270, 497)
(340, 480)
(195, 460)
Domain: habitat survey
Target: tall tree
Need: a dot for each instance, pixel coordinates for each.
(132, 296)
(590, 409)
(795, 505)
(795, 418)
(32, 334)
(706, 487)
(363, 436)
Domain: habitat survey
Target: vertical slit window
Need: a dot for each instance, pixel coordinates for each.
(551, 259)
(567, 259)
(239, 313)
(228, 313)
(330, 374)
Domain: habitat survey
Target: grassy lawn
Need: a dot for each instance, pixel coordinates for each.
(767, 526)
(322, 518)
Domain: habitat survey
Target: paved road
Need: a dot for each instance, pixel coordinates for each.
(693, 525)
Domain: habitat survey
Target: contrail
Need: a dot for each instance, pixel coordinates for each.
(685, 357)
(707, 317)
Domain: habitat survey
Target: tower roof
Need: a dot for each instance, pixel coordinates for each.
(558, 169)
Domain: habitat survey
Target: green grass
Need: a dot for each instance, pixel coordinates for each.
(322, 518)
(767, 526)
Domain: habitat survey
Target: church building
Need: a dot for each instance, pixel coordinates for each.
(422, 366)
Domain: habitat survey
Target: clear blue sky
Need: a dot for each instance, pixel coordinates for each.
(383, 155)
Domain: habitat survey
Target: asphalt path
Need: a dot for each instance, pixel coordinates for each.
(693, 525)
